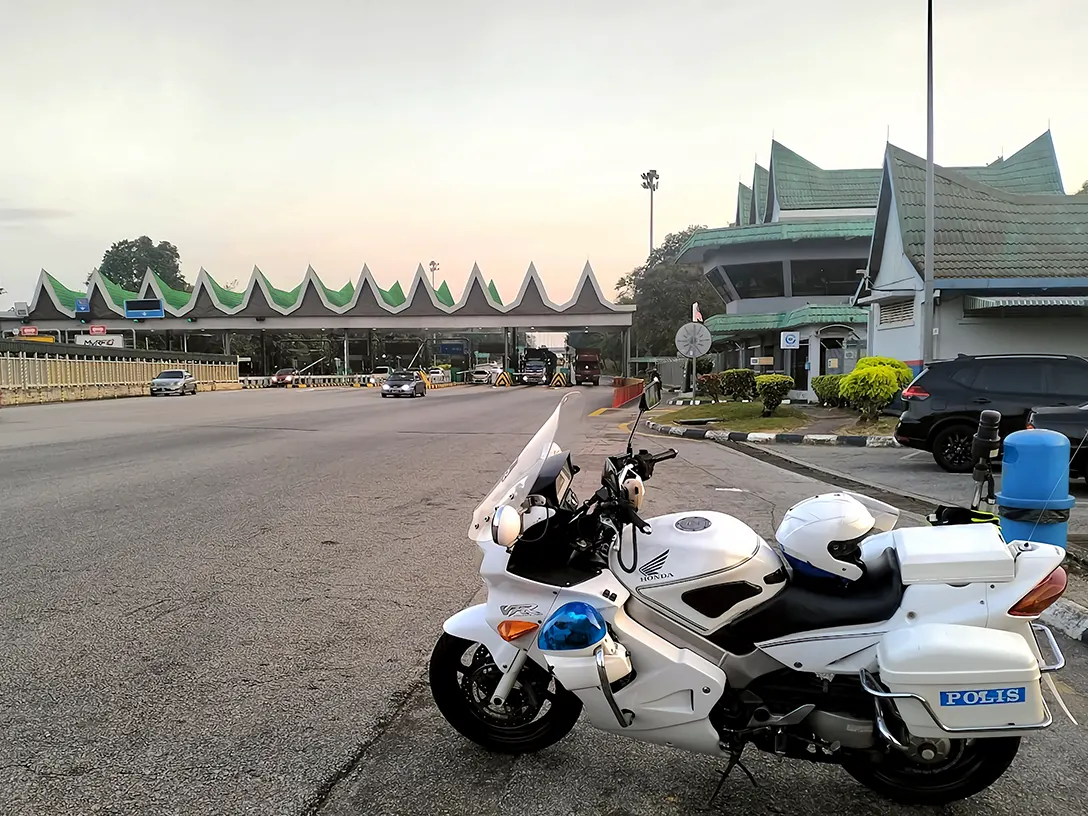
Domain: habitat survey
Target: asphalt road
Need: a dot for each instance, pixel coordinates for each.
(224, 604)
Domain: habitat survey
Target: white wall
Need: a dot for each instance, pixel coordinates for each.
(902, 341)
(1006, 335)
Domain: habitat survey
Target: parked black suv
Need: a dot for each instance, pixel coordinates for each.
(945, 400)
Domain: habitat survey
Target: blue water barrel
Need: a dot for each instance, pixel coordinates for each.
(1034, 501)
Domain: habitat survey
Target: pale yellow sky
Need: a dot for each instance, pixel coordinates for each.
(337, 133)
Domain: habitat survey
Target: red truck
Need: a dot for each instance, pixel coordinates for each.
(587, 366)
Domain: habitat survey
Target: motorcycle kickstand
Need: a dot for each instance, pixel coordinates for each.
(734, 762)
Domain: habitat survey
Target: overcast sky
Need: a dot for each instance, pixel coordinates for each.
(338, 132)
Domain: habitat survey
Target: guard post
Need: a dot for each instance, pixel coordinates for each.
(1034, 501)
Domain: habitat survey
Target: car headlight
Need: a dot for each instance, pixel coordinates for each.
(385, 386)
(406, 388)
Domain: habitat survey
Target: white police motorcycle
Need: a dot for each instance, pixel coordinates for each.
(910, 657)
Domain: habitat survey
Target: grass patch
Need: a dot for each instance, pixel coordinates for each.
(741, 416)
(885, 426)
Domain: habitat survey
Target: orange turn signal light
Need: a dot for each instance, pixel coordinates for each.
(1045, 593)
(513, 629)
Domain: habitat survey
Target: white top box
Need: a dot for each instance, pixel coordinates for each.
(954, 554)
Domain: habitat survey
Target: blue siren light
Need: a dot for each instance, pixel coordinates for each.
(573, 626)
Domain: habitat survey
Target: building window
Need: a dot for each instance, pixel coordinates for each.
(757, 280)
(900, 313)
(838, 277)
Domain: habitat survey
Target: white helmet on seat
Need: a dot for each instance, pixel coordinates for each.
(822, 536)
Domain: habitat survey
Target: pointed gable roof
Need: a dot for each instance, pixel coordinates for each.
(365, 299)
(744, 205)
(1031, 170)
(532, 299)
(588, 297)
(422, 301)
(981, 231)
(476, 300)
(798, 184)
(760, 182)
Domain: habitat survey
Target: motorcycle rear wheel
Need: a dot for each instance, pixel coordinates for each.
(538, 713)
(971, 767)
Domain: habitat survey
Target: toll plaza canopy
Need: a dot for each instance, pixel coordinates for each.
(312, 305)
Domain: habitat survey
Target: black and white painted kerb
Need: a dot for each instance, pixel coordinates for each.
(774, 438)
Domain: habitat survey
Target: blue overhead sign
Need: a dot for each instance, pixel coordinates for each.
(451, 348)
(83, 304)
(144, 308)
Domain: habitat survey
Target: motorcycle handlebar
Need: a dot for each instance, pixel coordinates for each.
(664, 457)
(986, 442)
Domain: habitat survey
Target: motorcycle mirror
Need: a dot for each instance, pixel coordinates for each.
(506, 525)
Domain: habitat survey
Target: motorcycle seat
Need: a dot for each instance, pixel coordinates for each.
(801, 607)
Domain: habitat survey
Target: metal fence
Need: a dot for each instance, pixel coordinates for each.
(20, 371)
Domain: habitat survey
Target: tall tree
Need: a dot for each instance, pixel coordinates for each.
(663, 292)
(1083, 189)
(126, 262)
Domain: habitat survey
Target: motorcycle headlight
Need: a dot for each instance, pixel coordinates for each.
(506, 525)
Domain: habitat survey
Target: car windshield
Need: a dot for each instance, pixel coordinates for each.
(400, 377)
(555, 435)
(285, 371)
(171, 375)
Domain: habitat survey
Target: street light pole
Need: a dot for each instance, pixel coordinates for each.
(928, 310)
(434, 268)
(649, 182)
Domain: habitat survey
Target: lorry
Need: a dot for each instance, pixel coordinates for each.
(587, 366)
(539, 366)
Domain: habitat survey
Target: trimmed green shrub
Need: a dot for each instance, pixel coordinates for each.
(712, 385)
(902, 371)
(739, 383)
(870, 389)
(826, 387)
(773, 388)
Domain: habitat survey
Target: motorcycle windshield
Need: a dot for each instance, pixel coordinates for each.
(555, 435)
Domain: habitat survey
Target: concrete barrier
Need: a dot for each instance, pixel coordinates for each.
(625, 390)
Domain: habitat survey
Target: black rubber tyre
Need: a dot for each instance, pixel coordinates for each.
(952, 448)
(528, 726)
(973, 765)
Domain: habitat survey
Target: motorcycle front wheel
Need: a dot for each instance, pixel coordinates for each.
(966, 767)
(538, 712)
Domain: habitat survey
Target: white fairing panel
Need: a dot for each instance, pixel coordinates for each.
(954, 554)
(969, 677)
(694, 551)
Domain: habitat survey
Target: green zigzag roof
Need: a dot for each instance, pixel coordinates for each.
(494, 292)
(443, 295)
(65, 296)
(116, 293)
(175, 298)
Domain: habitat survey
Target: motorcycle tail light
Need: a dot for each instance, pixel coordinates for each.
(1042, 596)
(513, 629)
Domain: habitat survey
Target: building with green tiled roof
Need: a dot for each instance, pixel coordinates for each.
(795, 256)
(1007, 248)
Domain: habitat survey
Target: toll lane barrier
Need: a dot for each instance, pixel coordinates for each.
(504, 380)
(560, 380)
(626, 389)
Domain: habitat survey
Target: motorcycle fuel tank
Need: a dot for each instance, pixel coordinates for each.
(702, 569)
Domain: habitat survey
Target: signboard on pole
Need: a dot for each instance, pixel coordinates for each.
(144, 308)
(96, 329)
(101, 340)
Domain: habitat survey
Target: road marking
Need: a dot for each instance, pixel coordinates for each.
(600, 411)
(912, 455)
(732, 490)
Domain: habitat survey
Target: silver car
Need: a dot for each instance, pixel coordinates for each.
(404, 384)
(175, 381)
